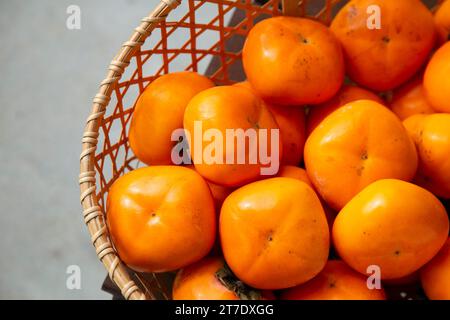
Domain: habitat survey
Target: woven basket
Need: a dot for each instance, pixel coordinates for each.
(106, 154)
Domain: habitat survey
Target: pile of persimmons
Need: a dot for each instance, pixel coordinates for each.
(363, 113)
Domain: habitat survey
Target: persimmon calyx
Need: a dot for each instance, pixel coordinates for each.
(244, 292)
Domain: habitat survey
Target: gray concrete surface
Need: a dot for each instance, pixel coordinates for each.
(49, 75)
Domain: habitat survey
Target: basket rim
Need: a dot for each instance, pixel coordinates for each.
(93, 214)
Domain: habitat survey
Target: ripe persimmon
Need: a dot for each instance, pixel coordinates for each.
(347, 94)
(161, 218)
(436, 81)
(159, 111)
(336, 281)
(431, 134)
(392, 224)
(409, 99)
(382, 57)
(354, 146)
(219, 193)
(295, 173)
(219, 110)
(442, 20)
(274, 233)
(291, 120)
(302, 175)
(209, 279)
(435, 276)
(293, 61)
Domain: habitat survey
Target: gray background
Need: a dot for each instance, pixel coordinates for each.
(49, 75)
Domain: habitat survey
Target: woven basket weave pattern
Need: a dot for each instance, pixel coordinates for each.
(106, 154)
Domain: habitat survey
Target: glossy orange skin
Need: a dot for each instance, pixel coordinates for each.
(382, 59)
(336, 281)
(442, 21)
(302, 175)
(161, 218)
(293, 61)
(198, 282)
(431, 134)
(229, 107)
(274, 233)
(409, 100)
(295, 173)
(357, 144)
(159, 111)
(380, 227)
(347, 94)
(436, 81)
(219, 193)
(435, 276)
(291, 120)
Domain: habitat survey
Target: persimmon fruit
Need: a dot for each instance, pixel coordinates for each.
(291, 120)
(410, 99)
(392, 224)
(161, 218)
(159, 111)
(231, 108)
(354, 146)
(436, 81)
(302, 175)
(435, 276)
(336, 281)
(209, 279)
(199, 282)
(295, 173)
(383, 58)
(431, 134)
(293, 61)
(274, 233)
(348, 93)
(442, 20)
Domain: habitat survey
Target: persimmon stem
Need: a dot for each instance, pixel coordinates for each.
(229, 280)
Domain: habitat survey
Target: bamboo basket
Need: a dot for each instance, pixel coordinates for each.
(106, 154)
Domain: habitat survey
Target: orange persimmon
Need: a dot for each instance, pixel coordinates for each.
(347, 94)
(291, 120)
(436, 81)
(293, 61)
(201, 281)
(431, 134)
(219, 110)
(302, 175)
(336, 281)
(295, 173)
(382, 57)
(161, 218)
(159, 111)
(392, 224)
(409, 99)
(442, 21)
(274, 233)
(435, 276)
(354, 146)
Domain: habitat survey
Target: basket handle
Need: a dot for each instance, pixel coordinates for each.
(292, 7)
